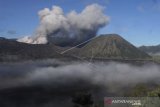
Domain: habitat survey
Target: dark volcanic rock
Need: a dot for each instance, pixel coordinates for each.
(11, 50)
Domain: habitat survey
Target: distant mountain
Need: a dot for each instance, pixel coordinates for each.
(111, 46)
(152, 50)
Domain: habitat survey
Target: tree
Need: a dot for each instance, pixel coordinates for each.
(82, 99)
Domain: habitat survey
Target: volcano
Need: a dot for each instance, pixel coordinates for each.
(111, 46)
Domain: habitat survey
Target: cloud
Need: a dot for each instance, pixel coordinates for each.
(69, 29)
(62, 73)
(49, 82)
(11, 32)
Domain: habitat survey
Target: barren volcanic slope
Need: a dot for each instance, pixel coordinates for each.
(11, 50)
(111, 46)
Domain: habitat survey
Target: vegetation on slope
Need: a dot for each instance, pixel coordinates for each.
(111, 46)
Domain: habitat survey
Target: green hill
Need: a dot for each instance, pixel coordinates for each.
(111, 46)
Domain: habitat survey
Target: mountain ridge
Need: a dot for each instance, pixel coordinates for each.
(152, 50)
(104, 46)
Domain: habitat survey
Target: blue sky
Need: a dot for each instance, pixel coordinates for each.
(138, 21)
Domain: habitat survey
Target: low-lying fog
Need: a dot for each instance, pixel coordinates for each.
(59, 73)
(69, 76)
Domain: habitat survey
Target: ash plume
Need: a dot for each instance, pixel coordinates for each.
(67, 29)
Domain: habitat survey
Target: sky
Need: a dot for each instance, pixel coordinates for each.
(138, 21)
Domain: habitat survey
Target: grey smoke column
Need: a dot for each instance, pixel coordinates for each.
(68, 29)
